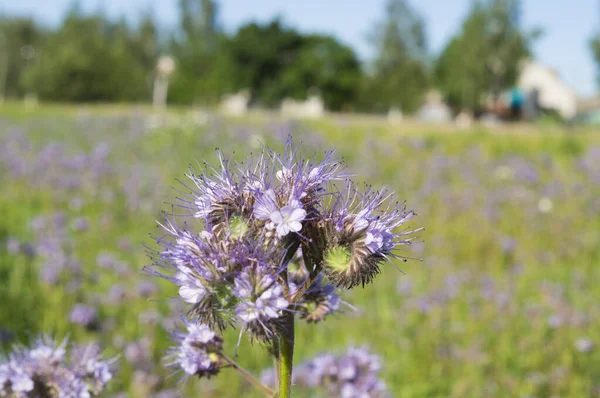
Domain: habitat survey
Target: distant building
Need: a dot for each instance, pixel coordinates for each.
(395, 115)
(235, 104)
(434, 110)
(311, 108)
(552, 92)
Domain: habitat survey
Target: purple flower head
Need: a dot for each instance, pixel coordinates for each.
(116, 294)
(278, 190)
(197, 350)
(50, 272)
(261, 300)
(360, 231)
(225, 280)
(80, 224)
(353, 374)
(191, 287)
(213, 187)
(88, 367)
(294, 192)
(84, 315)
(139, 352)
(46, 351)
(146, 289)
(249, 224)
(284, 219)
(305, 178)
(107, 260)
(13, 246)
(221, 195)
(47, 366)
(14, 379)
(584, 345)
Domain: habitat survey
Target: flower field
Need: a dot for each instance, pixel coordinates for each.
(498, 299)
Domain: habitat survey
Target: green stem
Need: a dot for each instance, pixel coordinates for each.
(286, 356)
(276, 360)
(248, 376)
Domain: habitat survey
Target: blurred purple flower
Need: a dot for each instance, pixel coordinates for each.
(46, 366)
(80, 224)
(13, 246)
(116, 294)
(84, 315)
(147, 288)
(584, 345)
(353, 374)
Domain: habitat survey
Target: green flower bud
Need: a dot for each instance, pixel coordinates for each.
(338, 259)
(238, 227)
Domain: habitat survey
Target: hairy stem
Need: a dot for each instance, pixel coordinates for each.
(286, 356)
(248, 376)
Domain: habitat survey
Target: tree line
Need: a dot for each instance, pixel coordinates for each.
(91, 58)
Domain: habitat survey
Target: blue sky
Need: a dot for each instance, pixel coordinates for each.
(568, 24)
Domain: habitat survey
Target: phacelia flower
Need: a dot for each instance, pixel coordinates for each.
(197, 350)
(357, 232)
(225, 280)
(46, 369)
(285, 219)
(263, 300)
(271, 237)
(84, 315)
(14, 379)
(146, 288)
(353, 374)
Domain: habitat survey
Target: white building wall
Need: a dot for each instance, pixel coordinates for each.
(554, 93)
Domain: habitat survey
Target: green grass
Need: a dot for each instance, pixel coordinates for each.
(471, 320)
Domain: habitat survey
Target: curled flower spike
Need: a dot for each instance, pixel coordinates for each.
(356, 234)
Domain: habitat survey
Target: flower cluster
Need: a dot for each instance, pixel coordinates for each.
(197, 350)
(351, 375)
(45, 370)
(273, 236)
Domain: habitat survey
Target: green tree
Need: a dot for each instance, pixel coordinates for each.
(144, 45)
(88, 58)
(483, 59)
(20, 39)
(276, 62)
(202, 65)
(260, 55)
(324, 64)
(399, 75)
(199, 22)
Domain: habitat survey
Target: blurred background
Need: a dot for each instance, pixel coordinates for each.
(482, 115)
(503, 59)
